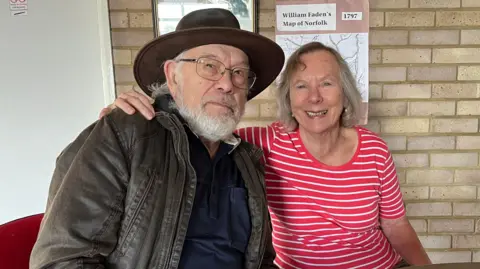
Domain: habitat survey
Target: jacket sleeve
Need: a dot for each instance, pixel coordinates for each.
(85, 202)
(269, 256)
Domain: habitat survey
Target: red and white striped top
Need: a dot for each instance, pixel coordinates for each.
(328, 216)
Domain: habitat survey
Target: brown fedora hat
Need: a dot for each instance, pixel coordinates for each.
(203, 27)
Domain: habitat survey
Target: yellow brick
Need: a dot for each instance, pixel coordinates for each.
(476, 254)
(251, 110)
(268, 110)
(376, 19)
(409, 19)
(268, 34)
(130, 4)
(431, 108)
(266, 4)
(469, 73)
(122, 56)
(467, 176)
(387, 73)
(466, 209)
(468, 108)
(123, 74)
(455, 90)
(410, 91)
(458, 18)
(434, 37)
(141, 20)
(401, 175)
(470, 3)
(435, 241)
(456, 55)
(375, 91)
(383, 37)
(388, 3)
(419, 225)
(267, 94)
(131, 38)
(395, 142)
(406, 56)
(429, 209)
(118, 19)
(454, 159)
(434, 3)
(266, 19)
(431, 142)
(466, 241)
(468, 37)
(410, 160)
(440, 73)
(449, 256)
(450, 226)
(455, 125)
(373, 125)
(414, 193)
(468, 142)
(375, 56)
(387, 108)
(134, 54)
(453, 192)
(404, 125)
(123, 88)
(429, 176)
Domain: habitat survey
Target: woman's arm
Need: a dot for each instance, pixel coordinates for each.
(393, 220)
(404, 240)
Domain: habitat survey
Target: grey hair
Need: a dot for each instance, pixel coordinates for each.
(352, 96)
(159, 89)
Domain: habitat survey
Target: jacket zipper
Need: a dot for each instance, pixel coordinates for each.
(136, 212)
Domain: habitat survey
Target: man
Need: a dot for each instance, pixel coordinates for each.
(180, 190)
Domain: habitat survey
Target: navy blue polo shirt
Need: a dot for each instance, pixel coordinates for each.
(219, 227)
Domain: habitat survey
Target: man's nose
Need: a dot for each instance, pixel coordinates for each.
(225, 83)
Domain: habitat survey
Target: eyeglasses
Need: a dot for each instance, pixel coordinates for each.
(213, 70)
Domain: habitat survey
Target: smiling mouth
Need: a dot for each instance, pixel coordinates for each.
(313, 114)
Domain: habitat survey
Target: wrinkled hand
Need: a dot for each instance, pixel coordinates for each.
(130, 102)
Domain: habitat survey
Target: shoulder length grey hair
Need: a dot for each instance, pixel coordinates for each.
(351, 94)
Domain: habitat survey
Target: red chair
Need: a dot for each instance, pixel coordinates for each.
(16, 241)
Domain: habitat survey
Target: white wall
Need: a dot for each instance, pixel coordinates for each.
(55, 76)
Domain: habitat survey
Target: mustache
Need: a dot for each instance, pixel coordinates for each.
(225, 100)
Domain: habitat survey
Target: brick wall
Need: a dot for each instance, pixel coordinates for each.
(424, 101)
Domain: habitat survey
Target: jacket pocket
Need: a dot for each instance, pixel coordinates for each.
(136, 205)
(240, 219)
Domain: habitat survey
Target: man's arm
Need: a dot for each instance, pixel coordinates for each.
(269, 255)
(80, 226)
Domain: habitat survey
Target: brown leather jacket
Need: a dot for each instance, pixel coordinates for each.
(122, 193)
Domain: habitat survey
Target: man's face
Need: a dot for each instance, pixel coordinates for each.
(205, 96)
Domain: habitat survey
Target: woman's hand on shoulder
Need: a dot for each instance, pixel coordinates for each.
(130, 102)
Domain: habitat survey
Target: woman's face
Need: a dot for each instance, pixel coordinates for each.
(316, 93)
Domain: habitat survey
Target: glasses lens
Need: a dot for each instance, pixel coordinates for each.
(209, 68)
(243, 78)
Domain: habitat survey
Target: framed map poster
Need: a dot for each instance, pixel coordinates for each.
(341, 24)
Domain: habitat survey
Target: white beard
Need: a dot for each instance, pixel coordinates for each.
(211, 128)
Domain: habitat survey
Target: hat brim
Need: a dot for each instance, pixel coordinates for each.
(266, 58)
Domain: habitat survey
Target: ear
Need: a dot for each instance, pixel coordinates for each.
(170, 75)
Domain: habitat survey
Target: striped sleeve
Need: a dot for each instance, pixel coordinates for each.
(391, 199)
(259, 136)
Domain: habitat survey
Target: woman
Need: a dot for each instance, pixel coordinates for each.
(332, 187)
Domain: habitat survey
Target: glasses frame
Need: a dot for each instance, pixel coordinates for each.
(230, 70)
